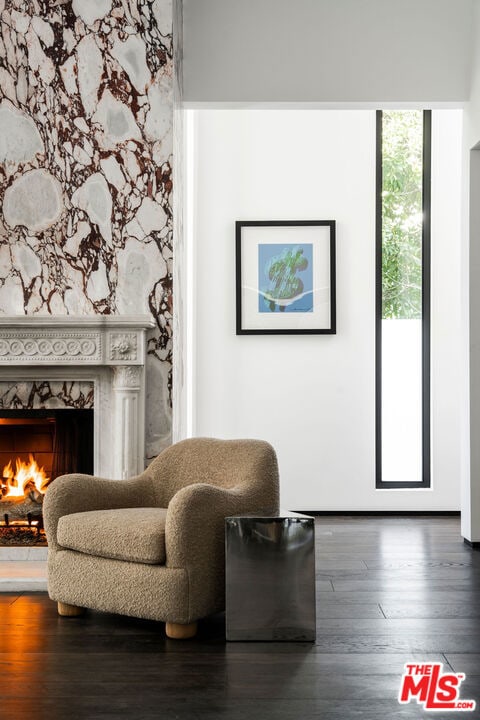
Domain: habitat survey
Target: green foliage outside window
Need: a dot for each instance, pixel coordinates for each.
(402, 214)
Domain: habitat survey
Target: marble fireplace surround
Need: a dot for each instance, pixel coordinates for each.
(104, 354)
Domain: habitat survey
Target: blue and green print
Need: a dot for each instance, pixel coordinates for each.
(285, 278)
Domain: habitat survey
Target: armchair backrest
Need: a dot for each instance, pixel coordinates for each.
(247, 465)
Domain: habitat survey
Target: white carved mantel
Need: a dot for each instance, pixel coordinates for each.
(107, 351)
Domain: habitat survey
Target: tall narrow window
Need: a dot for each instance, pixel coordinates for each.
(403, 299)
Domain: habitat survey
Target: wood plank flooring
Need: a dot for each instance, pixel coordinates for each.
(389, 590)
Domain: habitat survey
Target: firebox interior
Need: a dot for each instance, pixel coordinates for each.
(55, 442)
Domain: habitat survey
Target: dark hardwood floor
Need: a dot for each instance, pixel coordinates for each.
(389, 590)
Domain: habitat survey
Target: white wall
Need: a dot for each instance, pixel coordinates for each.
(471, 499)
(447, 357)
(471, 303)
(327, 50)
(313, 397)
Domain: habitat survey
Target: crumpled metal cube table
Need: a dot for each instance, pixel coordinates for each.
(270, 577)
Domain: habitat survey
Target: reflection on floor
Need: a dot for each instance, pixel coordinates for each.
(23, 569)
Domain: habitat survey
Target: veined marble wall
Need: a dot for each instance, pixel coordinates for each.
(46, 394)
(86, 169)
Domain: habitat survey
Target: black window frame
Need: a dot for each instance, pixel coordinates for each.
(426, 307)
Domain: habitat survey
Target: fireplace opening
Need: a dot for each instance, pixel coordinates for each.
(36, 446)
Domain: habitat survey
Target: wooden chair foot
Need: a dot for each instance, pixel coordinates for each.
(69, 610)
(180, 632)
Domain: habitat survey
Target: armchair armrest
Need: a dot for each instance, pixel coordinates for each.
(80, 493)
(195, 527)
(195, 541)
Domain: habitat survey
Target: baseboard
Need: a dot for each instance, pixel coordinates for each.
(346, 513)
(474, 545)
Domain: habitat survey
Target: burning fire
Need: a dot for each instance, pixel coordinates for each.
(28, 477)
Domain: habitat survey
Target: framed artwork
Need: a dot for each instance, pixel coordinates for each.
(285, 277)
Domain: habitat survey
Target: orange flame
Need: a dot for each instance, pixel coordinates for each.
(26, 474)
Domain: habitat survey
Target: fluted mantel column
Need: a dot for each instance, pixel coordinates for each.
(129, 429)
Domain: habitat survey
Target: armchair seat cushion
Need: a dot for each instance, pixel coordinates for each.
(130, 534)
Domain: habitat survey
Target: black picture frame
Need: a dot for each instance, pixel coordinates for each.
(309, 306)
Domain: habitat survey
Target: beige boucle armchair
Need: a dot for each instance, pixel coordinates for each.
(153, 546)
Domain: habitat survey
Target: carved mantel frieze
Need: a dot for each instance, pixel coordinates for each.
(95, 340)
(34, 347)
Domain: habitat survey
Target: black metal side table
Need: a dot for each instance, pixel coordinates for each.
(270, 577)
